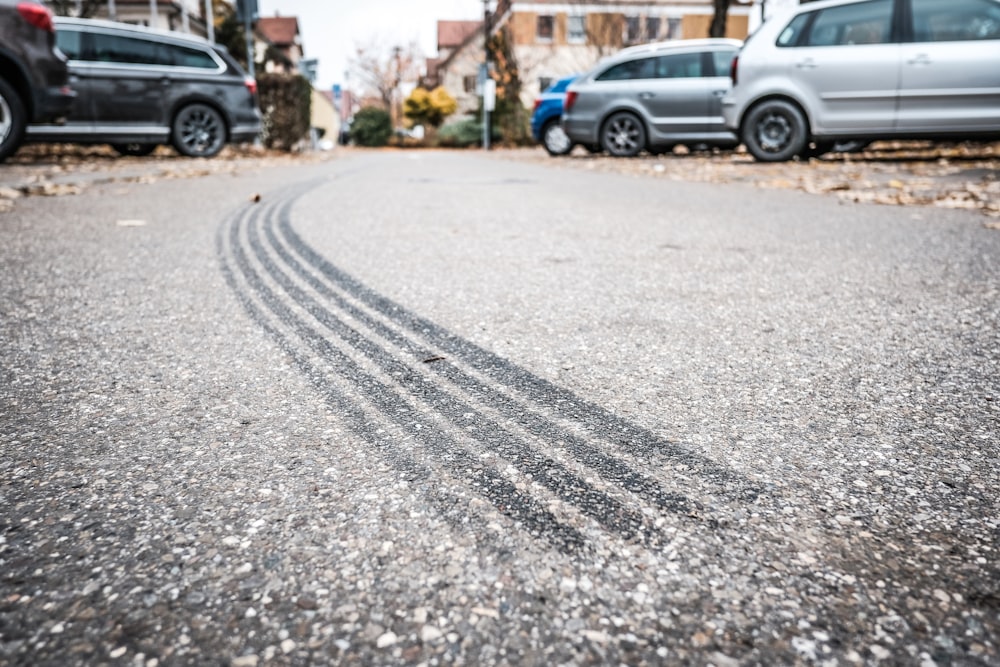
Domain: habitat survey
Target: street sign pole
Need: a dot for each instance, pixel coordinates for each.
(487, 108)
(249, 10)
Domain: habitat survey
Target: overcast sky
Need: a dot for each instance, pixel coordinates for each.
(331, 28)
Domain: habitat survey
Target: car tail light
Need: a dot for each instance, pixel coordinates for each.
(569, 101)
(538, 103)
(733, 68)
(251, 84)
(36, 15)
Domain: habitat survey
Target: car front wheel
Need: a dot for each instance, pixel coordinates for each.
(198, 131)
(775, 131)
(13, 120)
(555, 140)
(623, 135)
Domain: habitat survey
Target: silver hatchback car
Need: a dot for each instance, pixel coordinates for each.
(864, 70)
(653, 97)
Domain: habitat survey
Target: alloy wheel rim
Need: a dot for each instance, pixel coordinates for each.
(6, 121)
(774, 132)
(201, 131)
(622, 134)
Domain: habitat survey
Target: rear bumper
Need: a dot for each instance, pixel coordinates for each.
(581, 131)
(244, 133)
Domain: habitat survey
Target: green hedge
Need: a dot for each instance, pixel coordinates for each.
(286, 104)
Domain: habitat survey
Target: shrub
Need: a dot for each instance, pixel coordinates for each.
(371, 127)
(429, 108)
(464, 133)
(286, 104)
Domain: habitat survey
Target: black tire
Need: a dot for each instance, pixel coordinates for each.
(198, 131)
(13, 120)
(816, 149)
(556, 141)
(623, 135)
(137, 150)
(850, 146)
(775, 131)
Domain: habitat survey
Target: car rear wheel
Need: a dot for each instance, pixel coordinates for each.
(198, 131)
(775, 131)
(137, 150)
(623, 135)
(556, 141)
(13, 120)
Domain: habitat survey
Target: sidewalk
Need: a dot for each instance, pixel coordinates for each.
(61, 169)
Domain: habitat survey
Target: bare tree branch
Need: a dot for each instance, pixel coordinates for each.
(381, 68)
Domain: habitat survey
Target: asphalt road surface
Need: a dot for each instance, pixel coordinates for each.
(444, 408)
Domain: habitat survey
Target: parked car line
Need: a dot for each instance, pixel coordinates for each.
(34, 79)
(653, 97)
(839, 70)
(138, 88)
(546, 118)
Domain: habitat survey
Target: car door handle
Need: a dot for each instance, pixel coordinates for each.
(808, 63)
(646, 96)
(719, 93)
(920, 59)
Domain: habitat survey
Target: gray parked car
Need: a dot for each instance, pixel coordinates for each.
(867, 70)
(137, 88)
(34, 80)
(653, 97)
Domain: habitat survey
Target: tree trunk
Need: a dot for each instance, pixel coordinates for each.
(718, 26)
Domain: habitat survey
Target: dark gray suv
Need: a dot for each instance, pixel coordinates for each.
(33, 76)
(138, 88)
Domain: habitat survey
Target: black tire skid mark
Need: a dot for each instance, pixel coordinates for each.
(500, 492)
(564, 484)
(610, 468)
(602, 423)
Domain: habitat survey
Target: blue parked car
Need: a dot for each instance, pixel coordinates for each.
(545, 120)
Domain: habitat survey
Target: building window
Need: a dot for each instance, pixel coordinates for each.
(652, 28)
(576, 29)
(631, 35)
(469, 83)
(544, 82)
(546, 28)
(674, 29)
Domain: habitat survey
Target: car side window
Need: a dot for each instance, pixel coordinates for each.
(643, 68)
(678, 66)
(70, 42)
(793, 32)
(125, 50)
(862, 23)
(722, 62)
(183, 56)
(955, 20)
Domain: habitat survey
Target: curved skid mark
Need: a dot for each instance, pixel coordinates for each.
(487, 482)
